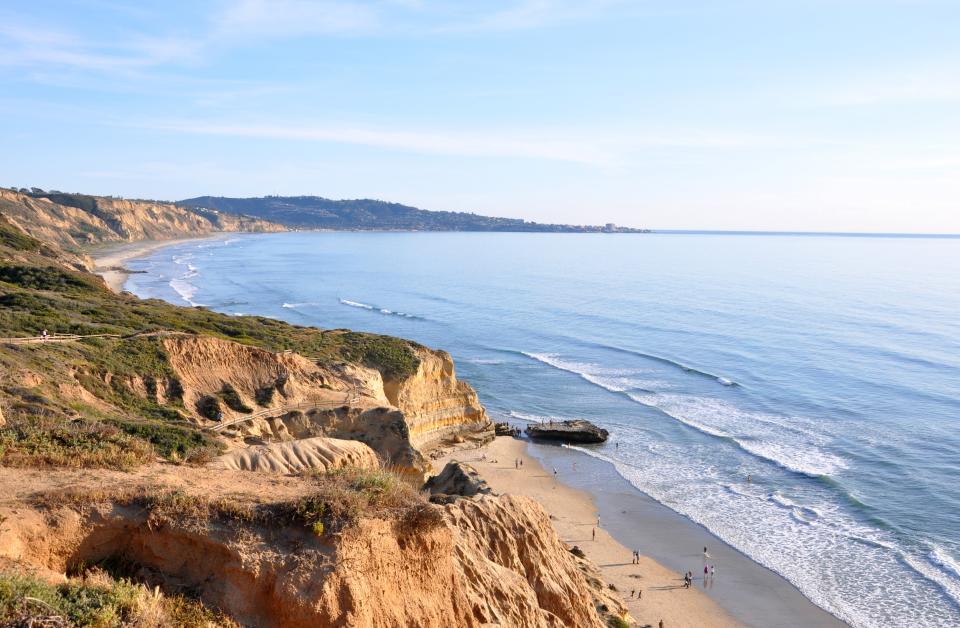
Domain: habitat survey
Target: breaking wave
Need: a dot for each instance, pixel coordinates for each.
(381, 310)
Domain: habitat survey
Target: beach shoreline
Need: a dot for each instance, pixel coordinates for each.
(743, 593)
(109, 260)
(574, 516)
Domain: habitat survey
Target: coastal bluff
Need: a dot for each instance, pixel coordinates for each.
(246, 470)
(73, 221)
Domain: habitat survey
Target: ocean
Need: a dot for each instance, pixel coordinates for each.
(797, 395)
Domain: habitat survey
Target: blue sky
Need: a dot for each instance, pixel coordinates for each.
(793, 115)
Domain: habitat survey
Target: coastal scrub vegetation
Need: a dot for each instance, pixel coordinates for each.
(95, 599)
(335, 501)
(48, 441)
(344, 496)
(115, 401)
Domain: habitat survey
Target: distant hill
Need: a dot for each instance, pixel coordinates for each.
(315, 212)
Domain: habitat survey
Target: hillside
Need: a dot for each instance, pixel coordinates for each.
(314, 212)
(170, 466)
(73, 221)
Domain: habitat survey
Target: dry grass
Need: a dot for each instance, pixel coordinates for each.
(50, 441)
(336, 500)
(347, 495)
(95, 599)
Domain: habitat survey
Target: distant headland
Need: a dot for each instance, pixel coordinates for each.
(315, 212)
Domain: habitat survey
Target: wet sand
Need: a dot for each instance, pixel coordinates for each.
(742, 593)
(110, 259)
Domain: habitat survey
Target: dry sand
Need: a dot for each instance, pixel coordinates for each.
(575, 516)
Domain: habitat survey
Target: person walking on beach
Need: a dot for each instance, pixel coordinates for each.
(594, 534)
(713, 571)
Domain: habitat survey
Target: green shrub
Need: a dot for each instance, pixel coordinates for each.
(12, 237)
(209, 407)
(173, 442)
(46, 278)
(264, 395)
(232, 398)
(393, 357)
(96, 600)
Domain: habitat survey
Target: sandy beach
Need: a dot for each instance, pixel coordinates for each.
(110, 259)
(574, 515)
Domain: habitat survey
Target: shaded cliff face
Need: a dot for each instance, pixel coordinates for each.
(97, 220)
(493, 561)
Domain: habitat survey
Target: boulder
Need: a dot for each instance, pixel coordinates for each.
(457, 479)
(576, 431)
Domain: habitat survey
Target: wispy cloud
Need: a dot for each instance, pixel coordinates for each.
(46, 49)
(293, 18)
(604, 147)
(469, 144)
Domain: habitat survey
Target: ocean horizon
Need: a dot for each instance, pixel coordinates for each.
(797, 395)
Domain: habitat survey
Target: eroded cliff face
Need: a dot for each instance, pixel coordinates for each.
(435, 403)
(295, 398)
(490, 561)
(116, 220)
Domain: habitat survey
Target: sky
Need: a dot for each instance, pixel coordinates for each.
(819, 115)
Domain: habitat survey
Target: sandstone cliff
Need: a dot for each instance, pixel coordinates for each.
(294, 397)
(97, 220)
(435, 403)
(494, 561)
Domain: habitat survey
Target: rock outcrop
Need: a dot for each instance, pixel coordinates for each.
(576, 431)
(436, 404)
(315, 454)
(457, 479)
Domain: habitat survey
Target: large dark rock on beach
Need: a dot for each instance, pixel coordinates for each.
(578, 431)
(456, 480)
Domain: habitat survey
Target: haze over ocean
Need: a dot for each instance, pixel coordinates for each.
(827, 368)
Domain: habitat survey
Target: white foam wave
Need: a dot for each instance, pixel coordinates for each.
(185, 289)
(815, 547)
(755, 433)
(374, 308)
(940, 557)
(726, 382)
(293, 306)
(933, 570)
(484, 361)
(614, 380)
(364, 306)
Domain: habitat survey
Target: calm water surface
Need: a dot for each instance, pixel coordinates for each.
(827, 369)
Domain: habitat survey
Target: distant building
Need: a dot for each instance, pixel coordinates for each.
(609, 227)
